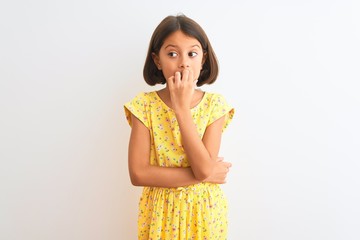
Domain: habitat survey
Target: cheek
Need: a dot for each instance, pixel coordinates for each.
(168, 72)
(197, 68)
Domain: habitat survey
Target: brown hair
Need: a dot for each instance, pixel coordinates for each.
(167, 26)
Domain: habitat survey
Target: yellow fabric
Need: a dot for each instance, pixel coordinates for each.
(193, 212)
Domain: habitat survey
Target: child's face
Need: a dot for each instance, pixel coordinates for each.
(180, 52)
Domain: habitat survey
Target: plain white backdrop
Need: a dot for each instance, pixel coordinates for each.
(290, 68)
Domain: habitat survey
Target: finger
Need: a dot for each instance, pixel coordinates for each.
(191, 76)
(185, 75)
(177, 76)
(220, 159)
(229, 165)
(226, 164)
(170, 82)
(177, 79)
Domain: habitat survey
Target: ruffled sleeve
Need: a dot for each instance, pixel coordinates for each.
(220, 108)
(139, 107)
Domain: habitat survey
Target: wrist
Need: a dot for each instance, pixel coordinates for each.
(182, 112)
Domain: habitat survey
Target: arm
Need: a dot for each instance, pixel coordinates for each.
(144, 174)
(202, 154)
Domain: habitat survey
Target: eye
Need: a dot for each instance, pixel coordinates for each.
(172, 54)
(193, 54)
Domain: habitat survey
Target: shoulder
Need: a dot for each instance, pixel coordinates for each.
(140, 107)
(214, 98)
(218, 103)
(144, 97)
(219, 107)
(144, 94)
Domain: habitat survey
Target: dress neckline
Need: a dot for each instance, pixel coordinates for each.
(169, 108)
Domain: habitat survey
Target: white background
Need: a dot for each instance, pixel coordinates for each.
(290, 68)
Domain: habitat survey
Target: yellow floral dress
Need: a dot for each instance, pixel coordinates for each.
(197, 211)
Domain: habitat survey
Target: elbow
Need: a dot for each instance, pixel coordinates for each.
(138, 174)
(136, 179)
(135, 182)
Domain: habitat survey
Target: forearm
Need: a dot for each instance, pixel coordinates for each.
(200, 159)
(155, 176)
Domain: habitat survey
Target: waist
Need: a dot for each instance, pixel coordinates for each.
(195, 188)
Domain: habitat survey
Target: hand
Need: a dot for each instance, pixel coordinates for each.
(181, 89)
(221, 169)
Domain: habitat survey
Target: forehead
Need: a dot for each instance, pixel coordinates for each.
(179, 39)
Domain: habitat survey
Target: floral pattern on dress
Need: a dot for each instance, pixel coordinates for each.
(197, 211)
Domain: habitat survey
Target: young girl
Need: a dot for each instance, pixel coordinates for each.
(175, 137)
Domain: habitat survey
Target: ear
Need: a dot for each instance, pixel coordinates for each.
(204, 58)
(156, 60)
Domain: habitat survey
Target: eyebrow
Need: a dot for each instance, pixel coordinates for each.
(172, 45)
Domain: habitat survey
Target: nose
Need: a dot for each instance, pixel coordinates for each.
(184, 63)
